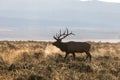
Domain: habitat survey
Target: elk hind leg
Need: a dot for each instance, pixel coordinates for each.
(88, 55)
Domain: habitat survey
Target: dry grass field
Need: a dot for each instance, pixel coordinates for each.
(31, 60)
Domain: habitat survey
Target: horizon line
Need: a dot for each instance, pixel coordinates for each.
(82, 40)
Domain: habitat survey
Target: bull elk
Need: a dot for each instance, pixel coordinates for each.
(71, 47)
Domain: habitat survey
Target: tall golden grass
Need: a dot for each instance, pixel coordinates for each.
(32, 60)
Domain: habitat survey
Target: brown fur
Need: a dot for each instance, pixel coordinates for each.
(73, 47)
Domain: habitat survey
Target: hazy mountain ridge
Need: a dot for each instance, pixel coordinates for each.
(100, 19)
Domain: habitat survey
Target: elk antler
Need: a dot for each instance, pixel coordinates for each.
(60, 36)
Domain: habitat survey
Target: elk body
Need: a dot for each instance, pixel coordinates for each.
(71, 47)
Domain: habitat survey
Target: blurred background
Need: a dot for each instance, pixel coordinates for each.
(90, 20)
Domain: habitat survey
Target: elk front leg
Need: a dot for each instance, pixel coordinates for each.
(66, 55)
(73, 55)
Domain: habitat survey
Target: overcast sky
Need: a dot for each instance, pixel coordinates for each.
(41, 19)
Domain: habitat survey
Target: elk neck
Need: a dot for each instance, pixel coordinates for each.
(62, 46)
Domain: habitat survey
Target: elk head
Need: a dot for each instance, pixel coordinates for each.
(59, 36)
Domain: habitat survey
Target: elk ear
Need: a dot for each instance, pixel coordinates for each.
(59, 40)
